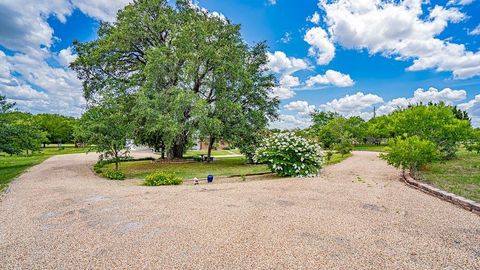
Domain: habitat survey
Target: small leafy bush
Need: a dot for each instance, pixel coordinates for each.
(289, 155)
(411, 153)
(114, 175)
(345, 145)
(162, 179)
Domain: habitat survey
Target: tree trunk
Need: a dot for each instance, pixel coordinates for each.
(177, 151)
(210, 146)
(116, 160)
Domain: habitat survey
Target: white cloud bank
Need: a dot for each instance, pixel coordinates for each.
(400, 29)
(26, 77)
(331, 77)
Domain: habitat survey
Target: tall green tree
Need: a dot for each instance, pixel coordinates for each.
(106, 126)
(191, 74)
(436, 123)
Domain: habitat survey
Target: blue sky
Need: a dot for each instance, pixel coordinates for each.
(341, 55)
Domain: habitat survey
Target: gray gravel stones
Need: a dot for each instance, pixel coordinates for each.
(60, 216)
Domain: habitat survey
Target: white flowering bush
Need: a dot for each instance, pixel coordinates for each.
(289, 155)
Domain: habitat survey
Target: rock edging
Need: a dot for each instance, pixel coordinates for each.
(441, 194)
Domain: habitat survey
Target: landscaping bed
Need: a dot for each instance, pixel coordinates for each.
(189, 170)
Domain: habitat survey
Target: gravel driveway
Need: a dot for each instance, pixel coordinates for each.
(357, 215)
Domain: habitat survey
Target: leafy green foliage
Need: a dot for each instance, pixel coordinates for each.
(290, 155)
(190, 75)
(162, 179)
(473, 144)
(114, 175)
(58, 128)
(107, 126)
(345, 145)
(337, 129)
(436, 123)
(411, 153)
(321, 118)
(18, 131)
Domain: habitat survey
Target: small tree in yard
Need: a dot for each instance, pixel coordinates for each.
(290, 155)
(345, 145)
(411, 153)
(106, 127)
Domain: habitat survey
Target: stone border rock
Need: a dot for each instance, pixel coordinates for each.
(446, 196)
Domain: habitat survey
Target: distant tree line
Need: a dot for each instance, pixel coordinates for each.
(22, 132)
(416, 135)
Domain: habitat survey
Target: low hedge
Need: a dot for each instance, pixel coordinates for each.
(162, 179)
(114, 175)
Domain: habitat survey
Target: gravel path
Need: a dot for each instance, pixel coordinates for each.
(357, 215)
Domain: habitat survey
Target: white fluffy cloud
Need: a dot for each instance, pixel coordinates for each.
(65, 56)
(402, 29)
(26, 76)
(315, 18)
(287, 121)
(460, 2)
(352, 105)
(38, 87)
(433, 95)
(289, 81)
(279, 62)
(300, 106)
(104, 10)
(331, 77)
(473, 109)
(475, 31)
(321, 47)
(284, 89)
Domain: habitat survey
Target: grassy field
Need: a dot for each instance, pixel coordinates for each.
(12, 166)
(460, 176)
(337, 158)
(227, 166)
(366, 147)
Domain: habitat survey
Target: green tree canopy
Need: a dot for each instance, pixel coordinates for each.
(189, 72)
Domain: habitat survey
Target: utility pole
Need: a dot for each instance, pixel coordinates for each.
(374, 111)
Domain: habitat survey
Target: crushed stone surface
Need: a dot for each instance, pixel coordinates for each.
(356, 215)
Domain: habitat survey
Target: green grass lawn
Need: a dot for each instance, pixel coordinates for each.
(367, 147)
(337, 158)
(227, 166)
(460, 176)
(220, 167)
(191, 153)
(12, 166)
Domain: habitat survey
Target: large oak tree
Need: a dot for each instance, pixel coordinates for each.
(190, 72)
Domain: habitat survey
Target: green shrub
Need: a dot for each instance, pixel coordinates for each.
(114, 175)
(162, 179)
(345, 145)
(289, 155)
(411, 153)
